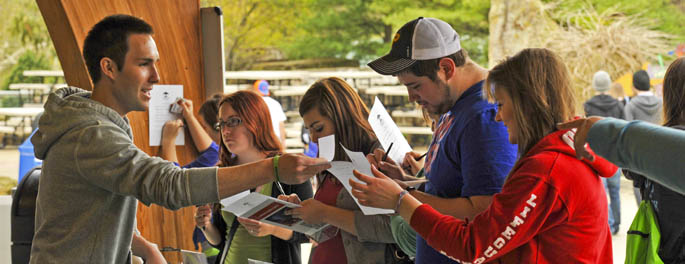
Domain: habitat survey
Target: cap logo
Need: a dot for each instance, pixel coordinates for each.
(396, 38)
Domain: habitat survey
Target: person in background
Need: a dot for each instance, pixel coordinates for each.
(605, 105)
(247, 136)
(205, 138)
(551, 208)
(275, 109)
(332, 107)
(644, 106)
(202, 131)
(616, 91)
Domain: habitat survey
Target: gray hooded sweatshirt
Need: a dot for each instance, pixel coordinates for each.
(92, 177)
(646, 108)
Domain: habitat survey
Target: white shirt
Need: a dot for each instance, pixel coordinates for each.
(277, 114)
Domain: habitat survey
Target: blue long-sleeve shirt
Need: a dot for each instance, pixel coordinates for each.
(656, 152)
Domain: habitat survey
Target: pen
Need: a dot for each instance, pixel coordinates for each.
(421, 157)
(280, 188)
(387, 152)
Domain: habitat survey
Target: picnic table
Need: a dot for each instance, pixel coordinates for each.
(275, 77)
(18, 121)
(355, 76)
(32, 90)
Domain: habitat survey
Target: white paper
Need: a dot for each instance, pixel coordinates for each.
(327, 147)
(191, 257)
(252, 261)
(387, 132)
(267, 209)
(343, 171)
(232, 199)
(163, 95)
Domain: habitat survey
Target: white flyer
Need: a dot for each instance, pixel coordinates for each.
(387, 132)
(343, 170)
(163, 96)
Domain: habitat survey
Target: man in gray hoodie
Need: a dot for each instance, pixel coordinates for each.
(93, 174)
(644, 106)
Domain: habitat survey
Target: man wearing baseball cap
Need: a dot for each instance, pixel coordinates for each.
(470, 154)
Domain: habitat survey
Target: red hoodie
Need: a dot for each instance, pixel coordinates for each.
(552, 209)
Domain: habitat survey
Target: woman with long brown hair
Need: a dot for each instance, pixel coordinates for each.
(332, 107)
(246, 136)
(552, 207)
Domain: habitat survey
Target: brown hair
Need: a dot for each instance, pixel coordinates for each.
(674, 93)
(336, 100)
(255, 116)
(429, 68)
(210, 110)
(538, 84)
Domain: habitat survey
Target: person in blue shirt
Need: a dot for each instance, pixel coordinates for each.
(202, 130)
(206, 137)
(470, 155)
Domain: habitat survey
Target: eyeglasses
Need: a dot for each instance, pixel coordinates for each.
(233, 121)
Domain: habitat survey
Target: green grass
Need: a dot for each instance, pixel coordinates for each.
(6, 184)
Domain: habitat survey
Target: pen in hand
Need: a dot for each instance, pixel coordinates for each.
(385, 157)
(421, 157)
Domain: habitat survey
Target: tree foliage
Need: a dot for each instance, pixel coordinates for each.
(28, 45)
(363, 29)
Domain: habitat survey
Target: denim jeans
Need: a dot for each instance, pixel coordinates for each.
(612, 186)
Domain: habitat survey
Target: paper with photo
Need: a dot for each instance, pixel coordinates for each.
(267, 209)
(162, 96)
(387, 132)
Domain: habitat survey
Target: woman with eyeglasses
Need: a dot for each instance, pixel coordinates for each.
(332, 107)
(247, 136)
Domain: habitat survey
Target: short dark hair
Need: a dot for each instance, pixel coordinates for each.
(429, 68)
(108, 38)
(641, 80)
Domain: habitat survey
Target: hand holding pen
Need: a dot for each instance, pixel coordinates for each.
(413, 162)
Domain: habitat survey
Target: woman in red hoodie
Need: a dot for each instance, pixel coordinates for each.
(552, 208)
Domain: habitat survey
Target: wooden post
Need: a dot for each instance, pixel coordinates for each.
(176, 24)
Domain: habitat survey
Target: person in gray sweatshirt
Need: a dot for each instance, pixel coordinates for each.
(645, 106)
(605, 105)
(93, 175)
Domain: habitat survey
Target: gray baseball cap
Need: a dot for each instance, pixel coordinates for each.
(419, 39)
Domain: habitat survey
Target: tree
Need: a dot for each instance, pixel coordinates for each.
(363, 29)
(28, 45)
(254, 28)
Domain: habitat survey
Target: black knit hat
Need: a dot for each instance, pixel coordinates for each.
(641, 80)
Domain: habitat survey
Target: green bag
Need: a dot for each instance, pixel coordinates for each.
(644, 237)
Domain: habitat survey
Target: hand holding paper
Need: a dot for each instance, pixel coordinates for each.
(387, 132)
(377, 190)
